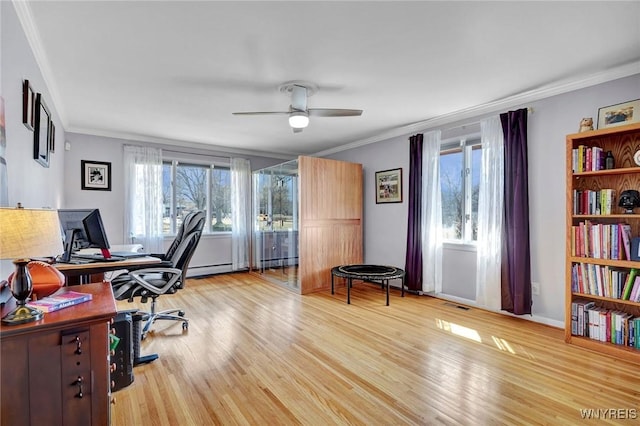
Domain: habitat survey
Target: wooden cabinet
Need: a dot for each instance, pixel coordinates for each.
(330, 219)
(597, 265)
(322, 221)
(56, 371)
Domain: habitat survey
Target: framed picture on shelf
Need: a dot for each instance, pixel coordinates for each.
(96, 175)
(619, 114)
(41, 132)
(389, 186)
(28, 105)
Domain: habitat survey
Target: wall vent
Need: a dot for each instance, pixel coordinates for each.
(464, 308)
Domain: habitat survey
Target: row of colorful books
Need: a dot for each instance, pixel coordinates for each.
(604, 325)
(587, 158)
(599, 202)
(605, 281)
(601, 240)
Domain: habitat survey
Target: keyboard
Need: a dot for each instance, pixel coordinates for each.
(96, 257)
(128, 254)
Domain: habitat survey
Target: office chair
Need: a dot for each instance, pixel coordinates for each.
(166, 278)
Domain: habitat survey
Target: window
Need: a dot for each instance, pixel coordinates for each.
(188, 187)
(460, 166)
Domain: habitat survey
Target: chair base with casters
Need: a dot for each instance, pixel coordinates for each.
(168, 314)
(150, 284)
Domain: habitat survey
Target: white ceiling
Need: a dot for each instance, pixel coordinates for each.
(176, 70)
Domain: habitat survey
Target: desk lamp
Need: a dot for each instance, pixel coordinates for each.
(26, 233)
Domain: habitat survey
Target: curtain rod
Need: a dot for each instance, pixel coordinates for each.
(196, 153)
(473, 123)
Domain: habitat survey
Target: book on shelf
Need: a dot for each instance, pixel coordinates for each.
(56, 302)
(628, 285)
(635, 291)
(604, 325)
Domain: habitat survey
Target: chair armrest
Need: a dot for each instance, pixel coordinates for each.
(156, 285)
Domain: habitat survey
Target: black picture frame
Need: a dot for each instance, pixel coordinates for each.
(41, 132)
(28, 105)
(96, 175)
(389, 186)
(52, 137)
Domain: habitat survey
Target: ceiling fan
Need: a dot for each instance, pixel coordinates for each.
(298, 112)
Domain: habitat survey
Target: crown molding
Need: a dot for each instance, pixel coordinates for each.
(181, 143)
(543, 92)
(25, 16)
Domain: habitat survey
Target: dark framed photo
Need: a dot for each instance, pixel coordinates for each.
(41, 132)
(619, 114)
(28, 105)
(96, 175)
(52, 137)
(389, 186)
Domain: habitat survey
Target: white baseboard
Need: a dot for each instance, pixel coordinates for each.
(198, 271)
(533, 318)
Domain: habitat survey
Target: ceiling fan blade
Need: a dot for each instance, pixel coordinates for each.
(298, 98)
(333, 112)
(262, 113)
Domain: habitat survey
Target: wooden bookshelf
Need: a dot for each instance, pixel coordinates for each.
(623, 142)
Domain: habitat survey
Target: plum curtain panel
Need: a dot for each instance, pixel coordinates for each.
(143, 197)
(423, 262)
(413, 260)
(516, 266)
(490, 215)
(240, 212)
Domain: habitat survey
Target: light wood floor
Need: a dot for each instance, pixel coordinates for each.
(258, 354)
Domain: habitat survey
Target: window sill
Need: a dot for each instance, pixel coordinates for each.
(461, 246)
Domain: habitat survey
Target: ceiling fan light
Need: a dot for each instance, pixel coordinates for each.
(298, 119)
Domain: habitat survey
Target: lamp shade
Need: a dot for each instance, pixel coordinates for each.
(27, 233)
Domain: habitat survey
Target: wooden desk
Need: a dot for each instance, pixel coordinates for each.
(94, 272)
(40, 364)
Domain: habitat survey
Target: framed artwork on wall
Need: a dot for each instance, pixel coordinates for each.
(389, 186)
(96, 175)
(28, 105)
(52, 137)
(41, 132)
(619, 114)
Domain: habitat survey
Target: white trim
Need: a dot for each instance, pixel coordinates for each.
(23, 10)
(543, 92)
(473, 304)
(181, 143)
(198, 271)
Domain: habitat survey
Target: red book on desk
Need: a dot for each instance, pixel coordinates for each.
(59, 301)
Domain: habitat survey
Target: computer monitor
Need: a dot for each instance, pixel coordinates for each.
(83, 228)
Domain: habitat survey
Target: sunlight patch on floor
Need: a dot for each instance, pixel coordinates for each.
(458, 330)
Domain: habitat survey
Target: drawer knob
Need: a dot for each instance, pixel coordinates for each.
(78, 345)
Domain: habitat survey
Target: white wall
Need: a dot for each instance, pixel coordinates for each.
(59, 186)
(384, 224)
(552, 119)
(28, 182)
(214, 251)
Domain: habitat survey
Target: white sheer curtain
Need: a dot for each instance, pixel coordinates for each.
(240, 212)
(143, 197)
(432, 214)
(490, 212)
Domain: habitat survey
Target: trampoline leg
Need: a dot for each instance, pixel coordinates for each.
(387, 284)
